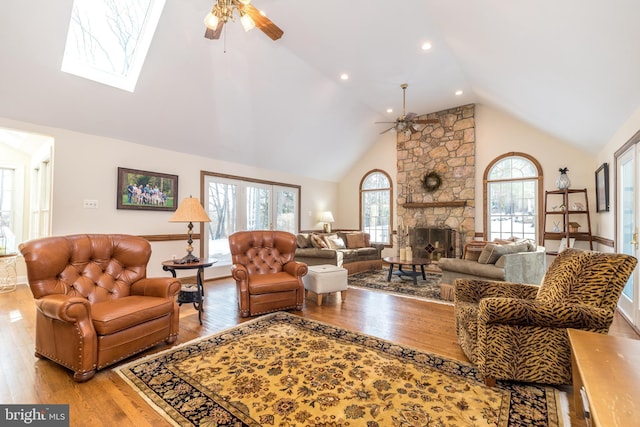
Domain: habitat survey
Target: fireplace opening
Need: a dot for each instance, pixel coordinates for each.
(434, 242)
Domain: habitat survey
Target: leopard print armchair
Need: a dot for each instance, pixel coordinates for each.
(519, 332)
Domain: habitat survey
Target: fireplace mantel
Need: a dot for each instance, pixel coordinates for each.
(449, 204)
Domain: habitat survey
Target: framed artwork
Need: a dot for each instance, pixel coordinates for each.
(145, 190)
(602, 188)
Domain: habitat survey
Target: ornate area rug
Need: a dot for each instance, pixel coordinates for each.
(284, 370)
(376, 280)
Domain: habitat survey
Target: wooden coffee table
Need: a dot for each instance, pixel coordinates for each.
(394, 260)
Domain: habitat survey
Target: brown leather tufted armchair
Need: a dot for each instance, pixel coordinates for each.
(267, 277)
(95, 305)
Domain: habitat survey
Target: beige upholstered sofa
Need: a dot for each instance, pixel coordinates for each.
(351, 250)
(517, 262)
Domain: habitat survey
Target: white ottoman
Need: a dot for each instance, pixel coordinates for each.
(325, 279)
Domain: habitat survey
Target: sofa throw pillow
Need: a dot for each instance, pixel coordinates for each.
(473, 249)
(335, 242)
(303, 240)
(367, 240)
(490, 253)
(355, 240)
(318, 242)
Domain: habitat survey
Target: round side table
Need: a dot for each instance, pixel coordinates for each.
(8, 274)
(188, 294)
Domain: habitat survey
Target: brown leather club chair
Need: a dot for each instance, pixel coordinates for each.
(267, 277)
(95, 305)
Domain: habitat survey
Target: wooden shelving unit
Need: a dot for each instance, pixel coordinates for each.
(575, 208)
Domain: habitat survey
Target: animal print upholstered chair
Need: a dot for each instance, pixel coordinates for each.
(519, 331)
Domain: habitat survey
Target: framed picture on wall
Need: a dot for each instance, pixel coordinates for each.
(145, 190)
(602, 188)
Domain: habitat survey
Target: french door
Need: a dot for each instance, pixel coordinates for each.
(628, 220)
(235, 204)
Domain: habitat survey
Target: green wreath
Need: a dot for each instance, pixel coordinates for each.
(431, 181)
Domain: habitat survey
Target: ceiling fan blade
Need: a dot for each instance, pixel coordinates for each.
(214, 34)
(385, 131)
(410, 116)
(262, 22)
(384, 122)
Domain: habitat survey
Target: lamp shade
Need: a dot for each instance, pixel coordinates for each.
(190, 210)
(326, 216)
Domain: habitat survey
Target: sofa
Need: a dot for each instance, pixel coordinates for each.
(351, 250)
(519, 261)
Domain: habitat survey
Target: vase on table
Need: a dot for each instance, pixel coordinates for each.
(563, 182)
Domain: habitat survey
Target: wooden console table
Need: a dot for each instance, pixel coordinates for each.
(608, 369)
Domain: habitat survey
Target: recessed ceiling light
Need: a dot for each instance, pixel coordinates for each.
(389, 110)
(459, 92)
(426, 45)
(344, 76)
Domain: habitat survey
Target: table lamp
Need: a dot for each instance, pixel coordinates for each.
(327, 218)
(190, 210)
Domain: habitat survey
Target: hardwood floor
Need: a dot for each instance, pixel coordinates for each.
(107, 401)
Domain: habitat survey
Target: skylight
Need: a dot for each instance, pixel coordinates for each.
(108, 40)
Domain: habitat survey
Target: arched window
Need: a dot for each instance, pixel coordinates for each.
(375, 206)
(512, 191)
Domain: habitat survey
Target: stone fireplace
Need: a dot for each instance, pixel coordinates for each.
(446, 151)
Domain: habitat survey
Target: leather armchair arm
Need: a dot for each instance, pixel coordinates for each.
(473, 290)
(522, 312)
(65, 308)
(297, 269)
(163, 287)
(240, 273)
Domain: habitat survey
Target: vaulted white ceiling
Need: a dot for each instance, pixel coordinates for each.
(569, 68)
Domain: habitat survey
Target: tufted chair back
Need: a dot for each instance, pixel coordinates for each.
(95, 304)
(95, 267)
(267, 277)
(262, 252)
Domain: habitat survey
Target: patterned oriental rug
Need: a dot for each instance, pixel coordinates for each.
(284, 370)
(376, 280)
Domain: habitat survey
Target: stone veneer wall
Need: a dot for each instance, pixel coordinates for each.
(447, 148)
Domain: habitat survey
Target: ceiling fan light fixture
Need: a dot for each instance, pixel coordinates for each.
(246, 21)
(245, 2)
(211, 21)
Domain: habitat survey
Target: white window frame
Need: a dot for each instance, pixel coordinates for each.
(379, 233)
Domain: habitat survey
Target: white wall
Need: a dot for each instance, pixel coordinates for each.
(497, 133)
(85, 167)
(606, 220)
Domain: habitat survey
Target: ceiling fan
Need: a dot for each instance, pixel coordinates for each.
(407, 122)
(250, 17)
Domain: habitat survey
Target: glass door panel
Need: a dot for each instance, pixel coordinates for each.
(627, 202)
(286, 209)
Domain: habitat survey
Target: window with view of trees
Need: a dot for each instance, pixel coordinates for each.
(108, 40)
(375, 206)
(512, 190)
(236, 203)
